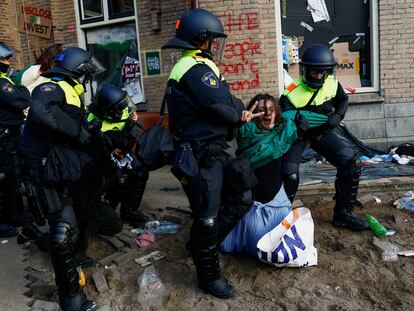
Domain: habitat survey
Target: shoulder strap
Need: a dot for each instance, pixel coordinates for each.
(311, 99)
(162, 109)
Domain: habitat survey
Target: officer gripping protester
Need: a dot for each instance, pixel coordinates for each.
(203, 114)
(13, 101)
(317, 90)
(55, 132)
(118, 121)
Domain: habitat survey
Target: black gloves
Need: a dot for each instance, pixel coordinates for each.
(334, 120)
(302, 124)
(83, 136)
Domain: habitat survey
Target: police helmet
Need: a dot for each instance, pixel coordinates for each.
(5, 50)
(317, 57)
(110, 103)
(75, 62)
(194, 28)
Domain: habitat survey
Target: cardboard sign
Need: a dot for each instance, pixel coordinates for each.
(347, 70)
(35, 21)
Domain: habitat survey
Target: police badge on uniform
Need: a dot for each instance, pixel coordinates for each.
(7, 87)
(47, 88)
(210, 80)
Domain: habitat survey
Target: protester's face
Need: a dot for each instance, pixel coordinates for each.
(266, 120)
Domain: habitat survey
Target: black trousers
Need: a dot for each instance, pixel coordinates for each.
(327, 145)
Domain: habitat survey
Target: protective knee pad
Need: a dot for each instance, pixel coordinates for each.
(351, 170)
(291, 184)
(205, 229)
(62, 236)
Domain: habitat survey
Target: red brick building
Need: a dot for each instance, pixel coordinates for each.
(373, 41)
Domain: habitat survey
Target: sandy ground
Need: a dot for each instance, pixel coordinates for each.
(352, 278)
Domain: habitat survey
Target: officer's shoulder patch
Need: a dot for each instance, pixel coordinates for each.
(291, 87)
(45, 88)
(210, 80)
(7, 87)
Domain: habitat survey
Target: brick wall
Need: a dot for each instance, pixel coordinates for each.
(250, 61)
(9, 31)
(396, 36)
(153, 35)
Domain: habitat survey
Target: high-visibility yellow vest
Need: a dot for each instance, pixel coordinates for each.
(299, 93)
(72, 98)
(111, 126)
(189, 59)
(4, 76)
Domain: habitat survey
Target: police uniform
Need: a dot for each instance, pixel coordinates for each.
(201, 112)
(331, 100)
(126, 185)
(57, 117)
(13, 101)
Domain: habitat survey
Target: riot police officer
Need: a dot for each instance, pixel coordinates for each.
(13, 101)
(120, 128)
(57, 118)
(202, 112)
(318, 90)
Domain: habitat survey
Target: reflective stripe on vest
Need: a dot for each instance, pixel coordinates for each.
(71, 97)
(187, 61)
(109, 126)
(4, 76)
(299, 94)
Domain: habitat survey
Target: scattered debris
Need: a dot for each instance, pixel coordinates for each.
(145, 239)
(46, 305)
(145, 260)
(4, 241)
(42, 288)
(348, 241)
(100, 282)
(166, 189)
(366, 198)
(406, 253)
(399, 219)
(124, 259)
(109, 259)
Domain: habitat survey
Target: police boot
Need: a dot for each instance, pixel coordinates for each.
(204, 251)
(77, 302)
(291, 184)
(132, 197)
(346, 186)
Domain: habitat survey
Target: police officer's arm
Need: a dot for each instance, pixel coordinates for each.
(16, 98)
(212, 94)
(45, 108)
(341, 102)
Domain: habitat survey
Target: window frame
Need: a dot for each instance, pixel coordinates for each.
(82, 27)
(374, 53)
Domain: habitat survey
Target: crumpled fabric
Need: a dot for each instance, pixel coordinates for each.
(145, 239)
(125, 162)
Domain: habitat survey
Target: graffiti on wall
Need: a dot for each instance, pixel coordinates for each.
(240, 54)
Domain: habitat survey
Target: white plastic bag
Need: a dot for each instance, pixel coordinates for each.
(290, 244)
(151, 289)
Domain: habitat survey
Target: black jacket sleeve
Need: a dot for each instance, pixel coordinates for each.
(46, 108)
(212, 94)
(16, 98)
(341, 102)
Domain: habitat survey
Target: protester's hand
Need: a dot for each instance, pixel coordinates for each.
(247, 115)
(134, 117)
(334, 120)
(302, 123)
(84, 136)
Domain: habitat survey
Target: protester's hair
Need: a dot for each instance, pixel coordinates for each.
(46, 59)
(278, 118)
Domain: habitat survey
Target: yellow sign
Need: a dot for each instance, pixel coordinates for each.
(36, 22)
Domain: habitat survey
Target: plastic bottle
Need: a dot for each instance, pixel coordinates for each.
(407, 204)
(162, 226)
(376, 227)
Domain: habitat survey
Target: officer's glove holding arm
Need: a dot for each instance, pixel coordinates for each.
(84, 136)
(334, 120)
(302, 123)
